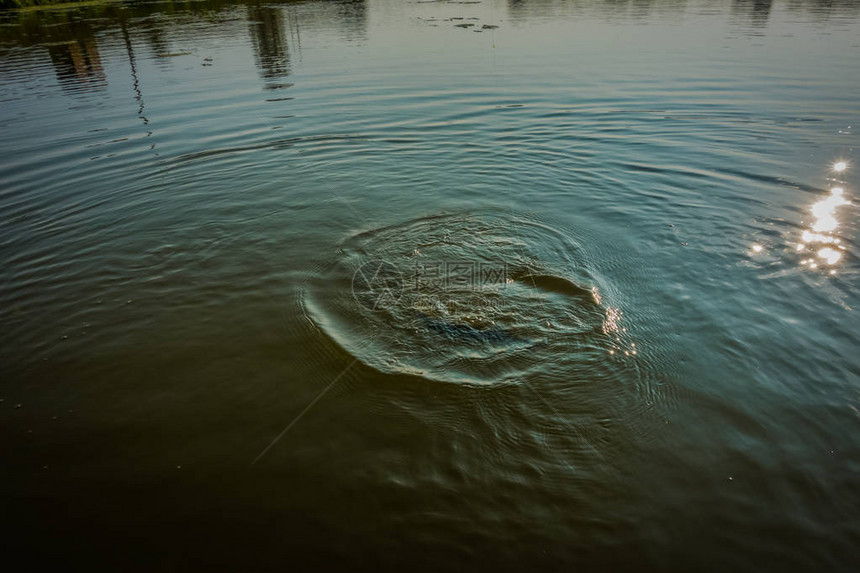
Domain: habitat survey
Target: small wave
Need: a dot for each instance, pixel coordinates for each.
(271, 144)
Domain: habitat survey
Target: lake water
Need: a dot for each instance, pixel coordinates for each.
(443, 286)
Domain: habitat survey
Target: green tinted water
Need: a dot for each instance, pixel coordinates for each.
(525, 285)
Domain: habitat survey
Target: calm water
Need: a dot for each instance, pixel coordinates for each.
(489, 286)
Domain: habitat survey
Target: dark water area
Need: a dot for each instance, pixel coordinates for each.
(441, 286)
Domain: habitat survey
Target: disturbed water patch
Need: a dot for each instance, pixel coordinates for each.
(471, 298)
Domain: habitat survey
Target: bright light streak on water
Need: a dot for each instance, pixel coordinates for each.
(822, 230)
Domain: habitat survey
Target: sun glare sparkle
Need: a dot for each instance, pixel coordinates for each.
(840, 166)
(829, 255)
(820, 235)
(823, 211)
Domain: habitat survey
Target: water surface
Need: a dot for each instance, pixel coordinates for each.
(523, 285)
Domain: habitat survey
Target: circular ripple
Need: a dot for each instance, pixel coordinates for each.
(475, 298)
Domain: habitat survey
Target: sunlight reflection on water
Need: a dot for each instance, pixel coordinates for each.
(822, 230)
